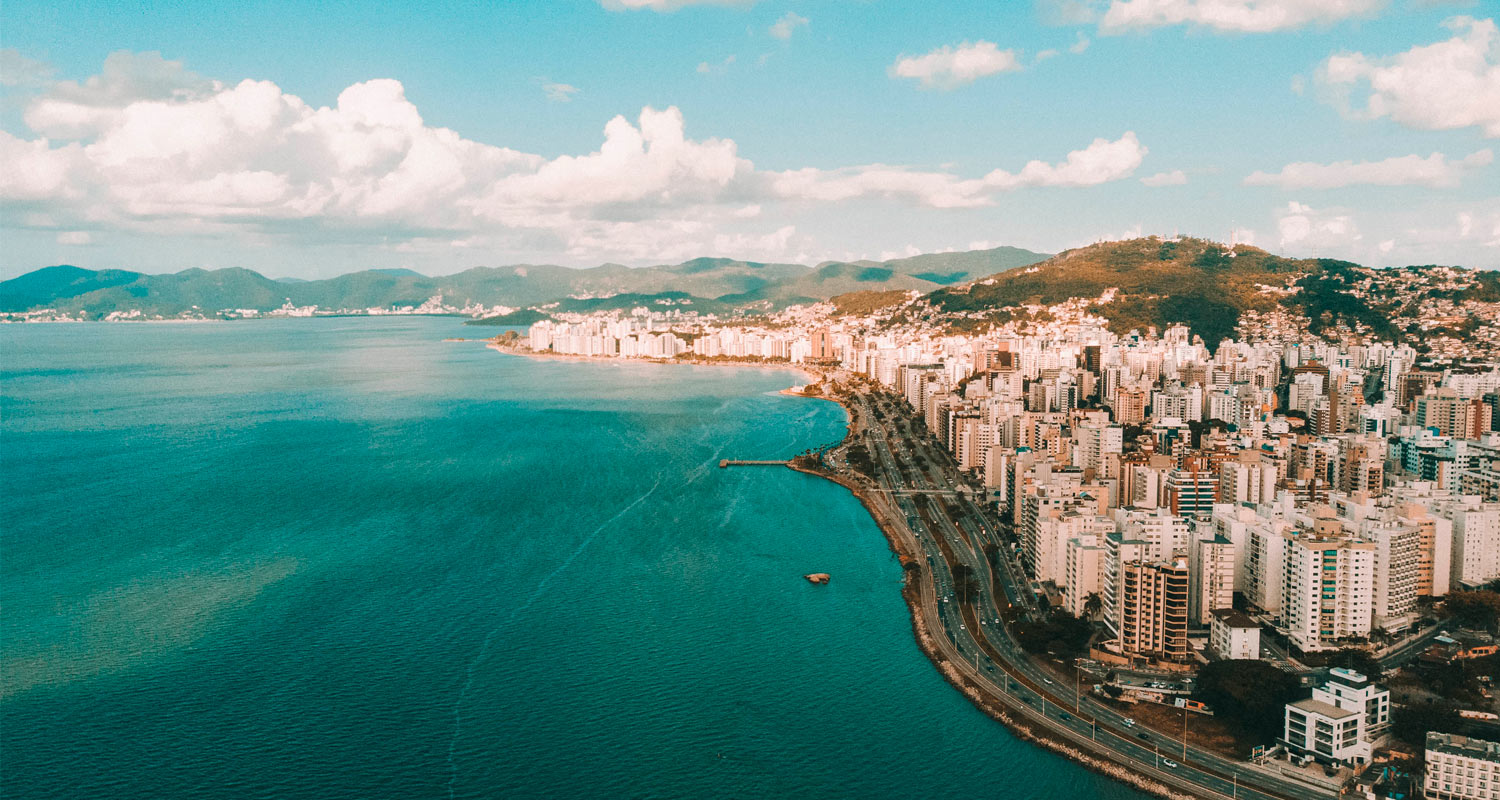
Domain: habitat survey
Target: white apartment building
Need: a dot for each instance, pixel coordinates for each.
(1085, 572)
(1476, 539)
(1210, 578)
(1461, 768)
(1233, 635)
(1328, 593)
(1341, 720)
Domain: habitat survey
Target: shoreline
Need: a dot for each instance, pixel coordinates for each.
(809, 373)
(1023, 730)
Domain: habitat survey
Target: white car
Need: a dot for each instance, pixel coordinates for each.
(1169, 763)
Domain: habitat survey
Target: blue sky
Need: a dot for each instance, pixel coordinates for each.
(314, 139)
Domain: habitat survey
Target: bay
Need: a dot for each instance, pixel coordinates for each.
(341, 558)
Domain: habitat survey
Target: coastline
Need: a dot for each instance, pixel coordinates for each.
(911, 593)
(1021, 729)
(807, 372)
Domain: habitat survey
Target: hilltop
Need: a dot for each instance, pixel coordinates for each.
(703, 284)
(1212, 288)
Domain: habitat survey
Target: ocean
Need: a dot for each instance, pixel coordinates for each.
(341, 558)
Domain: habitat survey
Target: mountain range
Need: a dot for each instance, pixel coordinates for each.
(707, 284)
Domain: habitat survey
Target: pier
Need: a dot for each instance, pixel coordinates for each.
(734, 462)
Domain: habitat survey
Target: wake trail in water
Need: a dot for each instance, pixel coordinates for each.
(484, 647)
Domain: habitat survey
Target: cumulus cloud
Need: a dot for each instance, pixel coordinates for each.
(1306, 229)
(1413, 170)
(1101, 162)
(184, 156)
(1450, 84)
(788, 25)
(559, 92)
(18, 71)
(1174, 178)
(75, 238)
(951, 67)
(1232, 16)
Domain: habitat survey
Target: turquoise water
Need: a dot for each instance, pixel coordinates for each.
(340, 558)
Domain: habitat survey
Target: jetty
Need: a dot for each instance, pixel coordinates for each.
(736, 462)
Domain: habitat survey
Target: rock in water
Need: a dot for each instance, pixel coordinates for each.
(817, 577)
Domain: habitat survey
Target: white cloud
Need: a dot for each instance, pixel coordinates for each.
(1413, 170)
(950, 67)
(788, 25)
(1237, 16)
(1308, 230)
(1079, 45)
(559, 92)
(1174, 178)
(75, 238)
(253, 159)
(719, 68)
(1101, 162)
(19, 71)
(1450, 84)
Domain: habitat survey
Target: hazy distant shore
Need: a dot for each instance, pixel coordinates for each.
(807, 372)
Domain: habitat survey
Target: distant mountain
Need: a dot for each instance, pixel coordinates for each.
(702, 284)
(1206, 286)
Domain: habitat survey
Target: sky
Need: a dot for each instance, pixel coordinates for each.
(313, 139)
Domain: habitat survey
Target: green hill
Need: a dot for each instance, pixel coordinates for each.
(709, 284)
(1194, 282)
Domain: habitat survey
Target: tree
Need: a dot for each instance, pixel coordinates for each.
(1411, 723)
(1479, 609)
(1358, 660)
(1248, 694)
(1092, 605)
(965, 584)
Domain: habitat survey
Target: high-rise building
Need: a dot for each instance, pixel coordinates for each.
(1450, 415)
(1328, 596)
(1154, 609)
(1460, 768)
(1130, 405)
(1476, 540)
(1192, 488)
(1211, 573)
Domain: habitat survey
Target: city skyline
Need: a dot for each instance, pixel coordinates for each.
(647, 132)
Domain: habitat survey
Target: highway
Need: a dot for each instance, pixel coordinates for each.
(944, 524)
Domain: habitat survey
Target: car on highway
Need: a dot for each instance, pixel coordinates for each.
(1169, 763)
(1145, 737)
(1129, 721)
(1047, 681)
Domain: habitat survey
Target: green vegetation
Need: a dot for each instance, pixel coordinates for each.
(867, 302)
(1480, 610)
(1060, 634)
(1192, 282)
(714, 283)
(1248, 696)
(1410, 723)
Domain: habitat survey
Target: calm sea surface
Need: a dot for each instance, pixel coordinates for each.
(339, 558)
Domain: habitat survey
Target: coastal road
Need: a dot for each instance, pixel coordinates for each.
(954, 531)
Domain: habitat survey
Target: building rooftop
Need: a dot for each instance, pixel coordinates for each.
(1348, 676)
(1321, 708)
(1235, 619)
(1454, 744)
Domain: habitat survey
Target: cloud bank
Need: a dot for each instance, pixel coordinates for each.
(147, 146)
